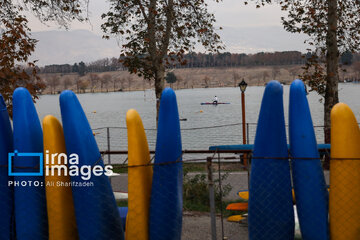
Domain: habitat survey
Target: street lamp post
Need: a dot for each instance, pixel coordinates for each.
(243, 86)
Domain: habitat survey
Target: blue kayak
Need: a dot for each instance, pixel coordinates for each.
(166, 192)
(30, 200)
(271, 213)
(97, 215)
(308, 177)
(7, 192)
(212, 103)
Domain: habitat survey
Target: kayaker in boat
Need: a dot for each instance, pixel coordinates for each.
(216, 100)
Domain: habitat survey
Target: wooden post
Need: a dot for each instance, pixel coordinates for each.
(212, 198)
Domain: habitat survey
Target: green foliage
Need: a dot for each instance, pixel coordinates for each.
(170, 78)
(122, 203)
(196, 192)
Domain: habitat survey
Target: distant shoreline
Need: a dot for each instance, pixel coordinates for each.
(187, 78)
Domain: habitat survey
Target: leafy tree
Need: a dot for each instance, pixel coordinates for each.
(333, 28)
(16, 46)
(75, 68)
(158, 33)
(170, 78)
(82, 68)
(346, 58)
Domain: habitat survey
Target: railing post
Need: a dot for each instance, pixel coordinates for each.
(212, 198)
(247, 133)
(108, 144)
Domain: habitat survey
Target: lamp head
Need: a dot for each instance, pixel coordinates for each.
(242, 86)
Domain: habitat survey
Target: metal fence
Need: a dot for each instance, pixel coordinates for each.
(216, 193)
(212, 181)
(193, 139)
(215, 183)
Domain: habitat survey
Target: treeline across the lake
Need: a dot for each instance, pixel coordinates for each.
(193, 60)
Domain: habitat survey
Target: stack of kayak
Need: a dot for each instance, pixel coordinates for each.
(276, 173)
(37, 204)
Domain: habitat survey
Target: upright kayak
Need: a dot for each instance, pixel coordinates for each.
(271, 213)
(139, 179)
(344, 207)
(166, 193)
(308, 178)
(59, 200)
(96, 212)
(30, 201)
(212, 103)
(6, 190)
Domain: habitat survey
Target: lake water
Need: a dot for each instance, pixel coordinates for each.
(111, 110)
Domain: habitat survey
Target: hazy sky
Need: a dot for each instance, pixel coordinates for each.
(245, 28)
(229, 13)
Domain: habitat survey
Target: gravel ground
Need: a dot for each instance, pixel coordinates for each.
(197, 227)
(237, 180)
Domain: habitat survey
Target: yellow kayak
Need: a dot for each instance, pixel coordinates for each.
(59, 200)
(344, 202)
(139, 179)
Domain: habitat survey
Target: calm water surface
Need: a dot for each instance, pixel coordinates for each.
(109, 110)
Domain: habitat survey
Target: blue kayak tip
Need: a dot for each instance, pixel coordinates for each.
(168, 92)
(274, 86)
(20, 97)
(298, 84)
(2, 103)
(67, 94)
(21, 92)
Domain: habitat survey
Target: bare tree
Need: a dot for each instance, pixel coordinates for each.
(122, 83)
(179, 79)
(236, 78)
(104, 81)
(113, 81)
(129, 80)
(93, 78)
(206, 80)
(265, 76)
(83, 85)
(53, 81)
(294, 72)
(67, 82)
(356, 67)
(275, 72)
(77, 79)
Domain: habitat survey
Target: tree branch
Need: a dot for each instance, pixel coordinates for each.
(169, 20)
